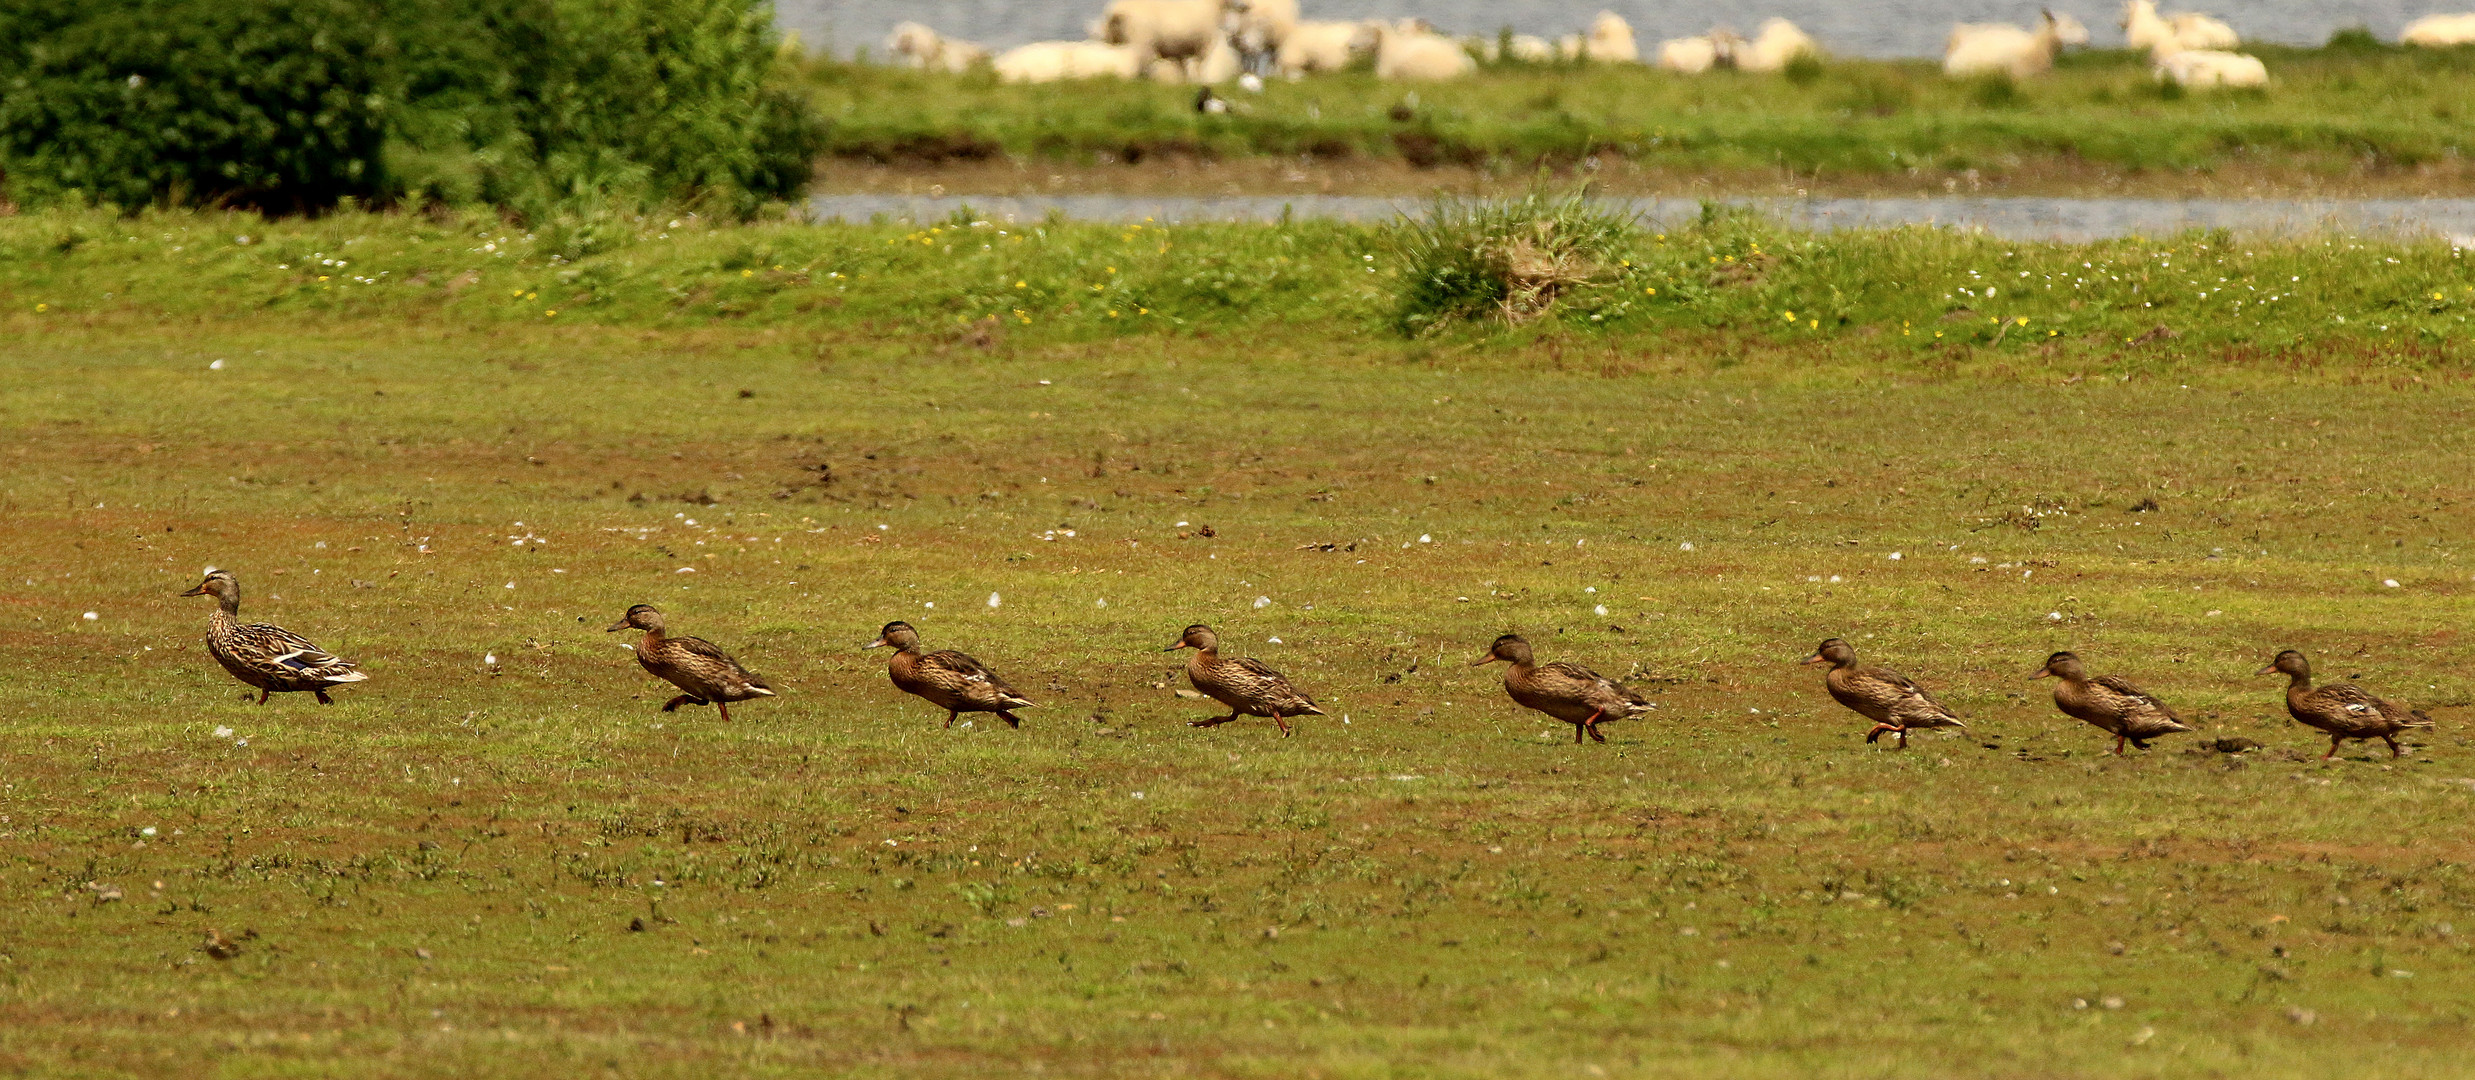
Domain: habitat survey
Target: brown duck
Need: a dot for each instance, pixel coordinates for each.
(706, 674)
(1879, 694)
(949, 680)
(1243, 684)
(2344, 710)
(1569, 692)
(2109, 703)
(271, 658)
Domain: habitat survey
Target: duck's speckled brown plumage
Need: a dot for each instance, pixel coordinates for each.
(1881, 695)
(2344, 710)
(949, 680)
(1569, 692)
(2108, 703)
(1243, 684)
(699, 667)
(271, 658)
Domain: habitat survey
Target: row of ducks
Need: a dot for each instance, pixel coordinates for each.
(275, 660)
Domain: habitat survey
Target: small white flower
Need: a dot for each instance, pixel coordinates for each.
(1273, 641)
(147, 831)
(931, 605)
(1685, 546)
(1181, 525)
(692, 521)
(1894, 556)
(994, 600)
(1102, 602)
(511, 584)
(240, 742)
(2391, 582)
(880, 528)
(1138, 795)
(1425, 539)
(1600, 610)
(91, 616)
(1834, 579)
(489, 658)
(1263, 602)
(1589, 588)
(223, 733)
(216, 366)
(2053, 616)
(684, 570)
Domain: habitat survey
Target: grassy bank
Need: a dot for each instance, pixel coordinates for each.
(496, 857)
(2333, 115)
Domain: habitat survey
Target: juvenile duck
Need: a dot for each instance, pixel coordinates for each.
(1569, 692)
(699, 667)
(950, 680)
(1879, 694)
(2109, 703)
(1244, 685)
(271, 658)
(2344, 710)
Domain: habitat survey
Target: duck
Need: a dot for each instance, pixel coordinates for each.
(1881, 695)
(950, 680)
(1243, 684)
(2344, 710)
(1569, 692)
(2109, 703)
(271, 658)
(699, 668)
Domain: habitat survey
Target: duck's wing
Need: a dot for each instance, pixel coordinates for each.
(2140, 712)
(711, 660)
(972, 679)
(1272, 688)
(287, 655)
(1591, 686)
(1907, 703)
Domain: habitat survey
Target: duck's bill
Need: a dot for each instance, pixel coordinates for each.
(615, 627)
(2041, 673)
(1813, 659)
(1174, 648)
(878, 643)
(1484, 660)
(2269, 670)
(198, 590)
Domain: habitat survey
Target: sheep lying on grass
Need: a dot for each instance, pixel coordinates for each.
(1408, 50)
(1319, 46)
(1610, 41)
(1695, 55)
(1778, 43)
(2440, 31)
(923, 48)
(1998, 48)
(1051, 61)
(2209, 68)
(2183, 30)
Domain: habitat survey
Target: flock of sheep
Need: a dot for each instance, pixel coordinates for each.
(1217, 41)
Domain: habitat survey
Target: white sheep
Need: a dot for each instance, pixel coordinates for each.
(2440, 31)
(1531, 49)
(1778, 43)
(2000, 48)
(1695, 55)
(1411, 50)
(1610, 41)
(1260, 28)
(2207, 68)
(1050, 61)
(1317, 46)
(2185, 30)
(1178, 31)
(921, 47)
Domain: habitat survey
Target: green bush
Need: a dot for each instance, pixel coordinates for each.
(269, 104)
(295, 105)
(1511, 259)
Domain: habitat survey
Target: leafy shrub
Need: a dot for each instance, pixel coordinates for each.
(270, 104)
(295, 105)
(1509, 258)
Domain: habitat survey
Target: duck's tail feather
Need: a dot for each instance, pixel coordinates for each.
(349, 676)
(2420, 720)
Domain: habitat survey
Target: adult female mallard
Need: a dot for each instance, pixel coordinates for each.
(1243, 684)
(1569, 692)
(2344, 710)
(699, 667)
(1879, 694)
(271, 658)
(949, 680)
(2109, 703)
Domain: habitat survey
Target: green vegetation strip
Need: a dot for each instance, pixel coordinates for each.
(496, 857)
(2330, 112)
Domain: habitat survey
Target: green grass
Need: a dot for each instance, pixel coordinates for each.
(454, 870)
(2329, 114)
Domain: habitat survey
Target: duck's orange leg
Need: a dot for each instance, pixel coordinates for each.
(1213, 722)
(949, 719)
(262, 696)
(2333, 747)
(2118, 744)
(1284, 725)
(1876, 734)
(1590, 725)
(725, 707)
(2394, 751)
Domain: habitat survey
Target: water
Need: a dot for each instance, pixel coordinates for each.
(2008, 218)
(1881, 28)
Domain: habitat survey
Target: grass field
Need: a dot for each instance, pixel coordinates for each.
(497, 858)
(2360, 119)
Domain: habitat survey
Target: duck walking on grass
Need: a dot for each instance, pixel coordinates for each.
(2109, 703)
(2344, 710)
(271, 658)
(1569, 692)
(1879, 694)
(949, 680)
(699, 667)
(1243, 684)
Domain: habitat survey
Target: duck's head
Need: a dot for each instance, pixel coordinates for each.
(1198, 636)
(1834, 652)
(898, 635)
(2062, 665)
(2289, 662)
(640, 617)
(218, 584)
(1510, 648)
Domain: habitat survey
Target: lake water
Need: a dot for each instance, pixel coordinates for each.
(2010, 218)
(1881, 28)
